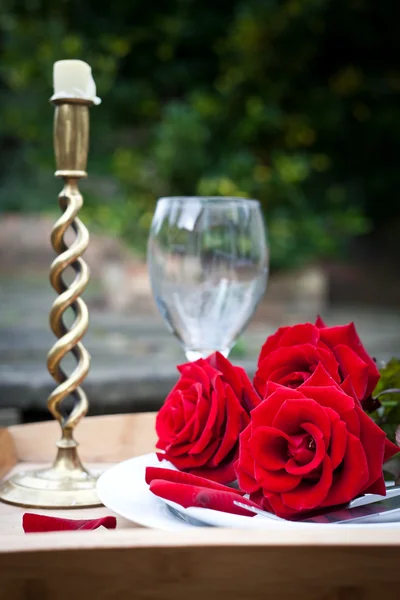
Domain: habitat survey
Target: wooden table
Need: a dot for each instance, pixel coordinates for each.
(134, 562)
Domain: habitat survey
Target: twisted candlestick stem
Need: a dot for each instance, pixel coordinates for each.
(69, 340)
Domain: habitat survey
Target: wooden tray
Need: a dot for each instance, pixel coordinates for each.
(134, 562)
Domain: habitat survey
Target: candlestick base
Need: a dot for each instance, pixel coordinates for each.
(67, 484)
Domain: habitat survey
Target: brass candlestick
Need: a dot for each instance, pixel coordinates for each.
(67, 483)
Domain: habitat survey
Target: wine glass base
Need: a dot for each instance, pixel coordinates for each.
(193, 355)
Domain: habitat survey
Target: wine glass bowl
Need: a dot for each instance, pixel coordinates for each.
(208, 266)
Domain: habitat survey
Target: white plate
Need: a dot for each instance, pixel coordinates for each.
(123, 489)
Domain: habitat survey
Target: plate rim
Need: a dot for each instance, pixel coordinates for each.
(167, 522)
(170, 522)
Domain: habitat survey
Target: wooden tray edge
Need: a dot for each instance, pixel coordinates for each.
(202, 537)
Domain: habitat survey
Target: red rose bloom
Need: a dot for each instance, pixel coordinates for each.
(290, 356)
(199, 424)
(310, 448)
(354, 361)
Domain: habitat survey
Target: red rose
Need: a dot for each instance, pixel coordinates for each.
(290, 356)
(310, 448)
(354, 361)
(199, 424)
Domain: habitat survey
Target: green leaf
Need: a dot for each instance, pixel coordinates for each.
(390, 378)
(388, 392)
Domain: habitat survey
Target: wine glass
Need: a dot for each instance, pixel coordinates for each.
(208, 266)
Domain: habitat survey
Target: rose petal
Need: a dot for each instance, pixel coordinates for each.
(192, 495)
(273, 503)
(186, 460)
(307, 495)
(328, 361)
(320, 378)
(275, 481)
(348, 388)
(372, 438)
(194, 372)
(390, 448)
(378, 487)
(353, 476)
(296, 469)
(347, 334)
(271, 343)
(33, 523)
(285, 360)
(188, 403)
(293, 413)
(244, 466)
(170, 421)
(304, 333)
(281, 364)
(250, 398)
(207, 435)
(224, 473)
(331, 396)
(181, 477)
(188, 425)
(338, 443)
(257, 497)
(292, 379)
(335, 399)
(351, 365)
(271, 387)
(296, 358)
(266, 411)
(229, 372)
(236, 417)
(269, 447)
(319, 322)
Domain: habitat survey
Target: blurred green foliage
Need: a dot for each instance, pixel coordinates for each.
(293, 102)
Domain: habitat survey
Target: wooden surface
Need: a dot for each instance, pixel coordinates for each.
(131, 562)
(8, 455)
(112, 438)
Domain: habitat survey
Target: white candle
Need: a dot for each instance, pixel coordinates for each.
(73, 79)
